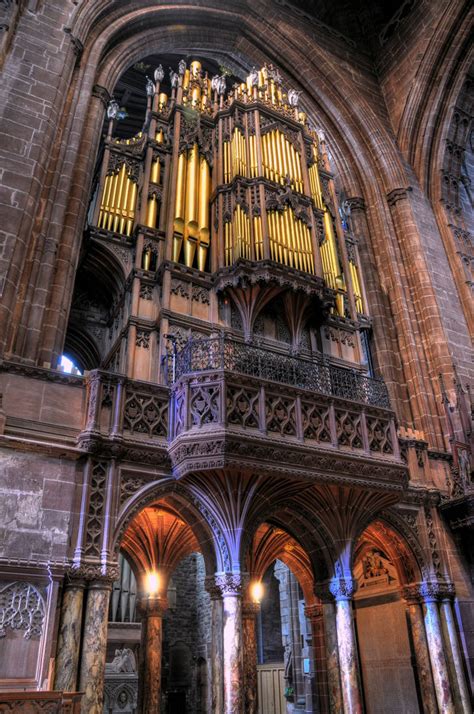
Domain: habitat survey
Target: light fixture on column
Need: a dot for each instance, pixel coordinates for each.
(152, 583)
(257, 591)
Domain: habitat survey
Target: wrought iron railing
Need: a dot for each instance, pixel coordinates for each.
(224, 353)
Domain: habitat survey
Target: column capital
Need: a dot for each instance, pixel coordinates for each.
(223, 585)
(150, 606)
(95, 574)
(335, 589)
(250, 609)
(356, 203)
(343, 588)
(398, 194)
(313, 612)
(428, 592)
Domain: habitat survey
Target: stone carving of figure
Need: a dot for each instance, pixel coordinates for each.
(182, 66)
(159, 73)
(173, 78)
(124, 661)
(150, 87)
(293, 97)
(222, 85)
(112, 109)
(288, 665)
(253, 77)
(215, 83)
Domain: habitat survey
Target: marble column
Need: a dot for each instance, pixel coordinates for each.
(332, 657)
(217, 684)
(343, 590)
(453, 654)
(230, 585)
(430, 595)
(250, 612)
(152, 609)
(420, 647)
(69, 637)
(94, 645)
(315, 614)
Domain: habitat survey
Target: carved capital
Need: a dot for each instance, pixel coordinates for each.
(101, 93)
(356, 203)
(250, 609)
(99, 575)
(313, 612)
(229, 584)
(150, 606)
(398, 194)
(343, 588)
(428, 591)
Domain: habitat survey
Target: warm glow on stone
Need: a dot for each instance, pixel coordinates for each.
(153, 583)
(257, 591)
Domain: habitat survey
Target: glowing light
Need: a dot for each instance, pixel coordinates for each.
(152, 583)
(257, 591)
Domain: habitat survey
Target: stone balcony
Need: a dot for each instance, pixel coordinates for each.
(241, 406)
(229, 405)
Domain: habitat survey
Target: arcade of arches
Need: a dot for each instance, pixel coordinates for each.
(235, 355)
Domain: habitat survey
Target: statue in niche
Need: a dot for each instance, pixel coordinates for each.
(373, 566)
(123, 662)
(288, 658)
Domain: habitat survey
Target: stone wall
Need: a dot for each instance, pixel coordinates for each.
(187, 633)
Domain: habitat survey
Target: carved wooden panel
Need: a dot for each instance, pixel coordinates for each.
(204, 405)
(242, 406)
(145, 413)
(22, 608)
(96, 509)
(315, 420)
(280, 414)
(348, 429)
(380, 438)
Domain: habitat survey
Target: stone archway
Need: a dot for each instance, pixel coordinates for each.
(383, 564)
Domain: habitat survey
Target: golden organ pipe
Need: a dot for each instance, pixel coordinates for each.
(113, 190)
(155, 171)
(180, 194)
(104, 201)
(132, 199)
(203, 216)
(124, 205)
(151, 212)
(116, 198)
(191, 208)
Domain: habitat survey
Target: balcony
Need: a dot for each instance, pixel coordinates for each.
(243, 406)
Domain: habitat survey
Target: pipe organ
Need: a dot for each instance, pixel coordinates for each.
(222, 175)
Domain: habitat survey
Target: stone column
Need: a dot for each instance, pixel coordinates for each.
(69, 636)
(152, 609)
(230, 585)
(217, 685)
(315, 615)
(343, 590)
(430, 594)
(94, 645)
(453, 653)
(250, 612)
(420, 647)
(332, 654)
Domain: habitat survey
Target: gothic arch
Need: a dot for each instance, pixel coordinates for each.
(399, 541)
(176, 496)
(302, 527)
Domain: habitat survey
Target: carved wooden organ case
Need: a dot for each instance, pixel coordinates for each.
(227, 191)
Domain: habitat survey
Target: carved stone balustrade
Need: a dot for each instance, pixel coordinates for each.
(126, 418)
(236, 405)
